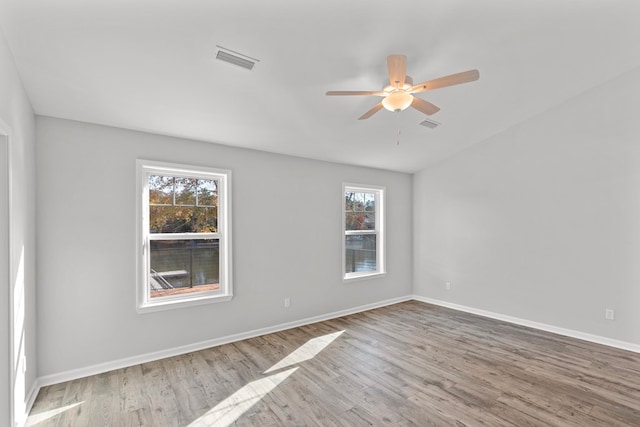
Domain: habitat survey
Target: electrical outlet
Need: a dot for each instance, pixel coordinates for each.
(287, 302)
(447, 286)
(609, 314)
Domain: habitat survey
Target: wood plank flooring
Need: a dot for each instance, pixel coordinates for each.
(406, 364)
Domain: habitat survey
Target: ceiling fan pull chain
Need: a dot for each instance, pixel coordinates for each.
(398, 120)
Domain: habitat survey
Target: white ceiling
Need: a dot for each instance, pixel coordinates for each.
(149, 65)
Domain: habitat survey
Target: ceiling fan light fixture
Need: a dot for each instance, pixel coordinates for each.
(397, 101)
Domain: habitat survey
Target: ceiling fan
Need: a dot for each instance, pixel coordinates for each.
(398, 93)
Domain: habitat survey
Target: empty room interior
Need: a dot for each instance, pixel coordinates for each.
(320, 213)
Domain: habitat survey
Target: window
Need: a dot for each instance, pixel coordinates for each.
(363, 244)
(184, 246)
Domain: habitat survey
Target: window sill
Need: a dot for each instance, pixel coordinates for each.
(359, 277)
(182, 303)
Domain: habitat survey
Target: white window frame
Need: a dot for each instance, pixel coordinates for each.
(145, 168)
(379, 232)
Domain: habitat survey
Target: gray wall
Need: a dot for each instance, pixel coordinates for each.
(17, 115)
(286, 242)
(542, 221)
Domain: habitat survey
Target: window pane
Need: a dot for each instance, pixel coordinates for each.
(185, 189)
(207, 192)
(370, 221)
(183, 266)
(354, 220)
(360, 221)
(360, 253)
(369, 202)
(360, 211)
(183, 219)
(160, 190)
(358, 206)
(349, 198)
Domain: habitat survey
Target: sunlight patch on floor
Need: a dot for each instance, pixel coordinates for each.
(230, 409)
(35, 419)
(307, 351)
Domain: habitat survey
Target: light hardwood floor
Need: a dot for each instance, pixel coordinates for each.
(406, 364)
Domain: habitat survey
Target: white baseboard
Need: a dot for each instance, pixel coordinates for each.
(176, 351)
(535, 325)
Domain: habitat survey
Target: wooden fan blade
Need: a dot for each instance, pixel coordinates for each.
(371, 112)
(397, 67)
(453, 79)
(424, 106)
(354, 92)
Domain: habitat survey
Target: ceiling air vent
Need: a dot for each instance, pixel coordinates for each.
(235, 58)
(431, 124)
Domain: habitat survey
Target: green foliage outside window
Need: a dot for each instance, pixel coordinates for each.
(182, 205)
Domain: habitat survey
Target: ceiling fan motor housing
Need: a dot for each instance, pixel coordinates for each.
(388, 87)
